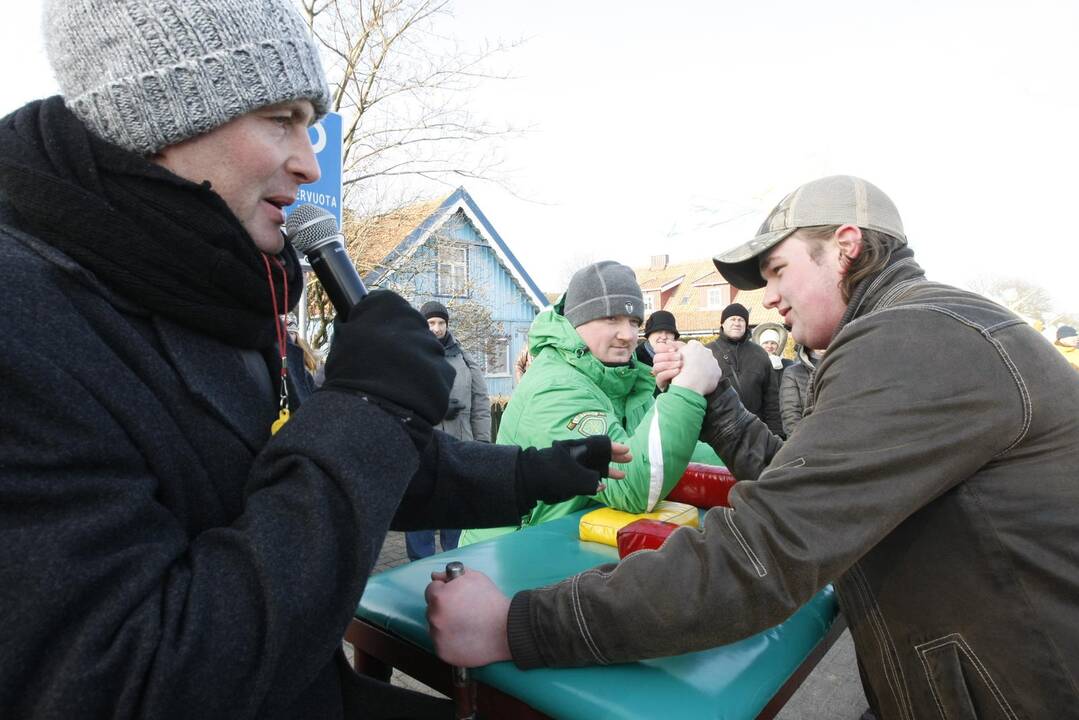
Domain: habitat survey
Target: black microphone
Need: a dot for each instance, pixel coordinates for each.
(313, 232)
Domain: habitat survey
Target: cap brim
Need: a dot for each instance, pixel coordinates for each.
(741, 266)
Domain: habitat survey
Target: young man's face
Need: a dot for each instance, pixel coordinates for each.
(611, 339)
(734, 327)
(255, 163)
(805, 291)
(438, 327)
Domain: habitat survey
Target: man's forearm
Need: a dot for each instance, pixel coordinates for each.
(738, 436)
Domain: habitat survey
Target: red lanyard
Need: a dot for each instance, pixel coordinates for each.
(280, 319)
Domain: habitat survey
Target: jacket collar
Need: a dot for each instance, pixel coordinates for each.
(880, 290)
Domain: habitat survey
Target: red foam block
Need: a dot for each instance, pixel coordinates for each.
(703, 486)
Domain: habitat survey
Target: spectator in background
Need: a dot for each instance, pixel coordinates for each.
(658, 330)
(747, 366)
(467, 418)
(520, 366)
(1067, 340)
(773, 338)
(794, 387)
(311, 362)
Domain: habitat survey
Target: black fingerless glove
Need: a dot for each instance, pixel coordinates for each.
(386, 353)
(563, 471)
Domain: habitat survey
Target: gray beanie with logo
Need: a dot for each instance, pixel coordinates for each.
(603, 289)
(146, 74)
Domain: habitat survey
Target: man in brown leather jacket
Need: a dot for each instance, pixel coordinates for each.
(933, 481)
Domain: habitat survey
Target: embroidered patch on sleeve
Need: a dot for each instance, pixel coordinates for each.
(589, 423)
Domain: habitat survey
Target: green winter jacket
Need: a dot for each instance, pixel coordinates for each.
(568, 393)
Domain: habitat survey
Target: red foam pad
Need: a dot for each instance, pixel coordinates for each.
(704, 486)
(643, 534)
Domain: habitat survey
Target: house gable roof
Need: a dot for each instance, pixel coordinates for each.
(382, 242)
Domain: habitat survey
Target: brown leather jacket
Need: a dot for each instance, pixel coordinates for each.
(935, 482)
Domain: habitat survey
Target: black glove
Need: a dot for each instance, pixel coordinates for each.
(454, 409)
(387, 353)
(565, 470)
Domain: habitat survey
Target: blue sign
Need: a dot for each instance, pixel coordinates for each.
(326, 192)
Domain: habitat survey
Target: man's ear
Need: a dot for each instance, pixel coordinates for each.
(849, 240)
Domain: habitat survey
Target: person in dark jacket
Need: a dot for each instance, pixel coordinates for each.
(659, 328)
(468, 417)
(939, 497)
(747, 366)
(187, 528)
(794, 387)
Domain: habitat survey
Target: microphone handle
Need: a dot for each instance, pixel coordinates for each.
(338, 276)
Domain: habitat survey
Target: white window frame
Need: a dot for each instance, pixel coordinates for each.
(452, 269)
(714, 296)
(504, 371)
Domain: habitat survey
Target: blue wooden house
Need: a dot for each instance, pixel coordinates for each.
(447, 250)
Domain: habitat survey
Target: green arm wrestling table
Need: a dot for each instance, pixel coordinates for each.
(752, 678)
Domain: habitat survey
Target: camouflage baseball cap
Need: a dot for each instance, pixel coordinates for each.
(834, 200)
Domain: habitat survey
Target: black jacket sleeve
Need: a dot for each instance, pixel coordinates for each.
(461, 484)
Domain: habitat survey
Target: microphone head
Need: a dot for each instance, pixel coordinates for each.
(310, 226)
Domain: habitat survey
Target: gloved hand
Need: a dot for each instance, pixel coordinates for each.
(386, 353)
(565, 470)
(454, 409)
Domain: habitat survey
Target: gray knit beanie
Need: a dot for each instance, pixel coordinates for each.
(603, 289)
(146, 74)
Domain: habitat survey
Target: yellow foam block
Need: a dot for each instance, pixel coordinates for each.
(602, 525)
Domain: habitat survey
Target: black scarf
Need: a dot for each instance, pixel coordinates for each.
(167, 244)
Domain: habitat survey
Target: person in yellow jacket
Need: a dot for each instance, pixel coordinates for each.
(1067, 342)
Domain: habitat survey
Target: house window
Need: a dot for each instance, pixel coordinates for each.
(715, 297)
(497, 355)
(649, 302)
(452, 269)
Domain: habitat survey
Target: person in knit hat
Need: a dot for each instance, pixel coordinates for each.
(1068, 344)
(468, 417)
(660, 329)
(585, 381)
(176, 530)
(748, 366)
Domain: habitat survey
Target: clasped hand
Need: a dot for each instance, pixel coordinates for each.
(689, 365)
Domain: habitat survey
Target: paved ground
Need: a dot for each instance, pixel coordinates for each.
(831, 692)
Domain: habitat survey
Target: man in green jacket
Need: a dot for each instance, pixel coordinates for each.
(585, 380)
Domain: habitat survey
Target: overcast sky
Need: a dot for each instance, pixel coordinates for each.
(675, 127)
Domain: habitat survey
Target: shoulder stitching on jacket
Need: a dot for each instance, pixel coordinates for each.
(985, 332)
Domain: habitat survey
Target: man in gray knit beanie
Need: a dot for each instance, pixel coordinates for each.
(203, 557)
(145, 74)
(218, 91)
